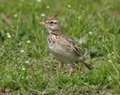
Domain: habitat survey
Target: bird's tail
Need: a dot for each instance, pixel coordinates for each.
(83, 60)
(89, 66)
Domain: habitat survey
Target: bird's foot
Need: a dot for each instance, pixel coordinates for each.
(71, 69)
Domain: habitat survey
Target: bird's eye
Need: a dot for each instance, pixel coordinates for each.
(51, 22)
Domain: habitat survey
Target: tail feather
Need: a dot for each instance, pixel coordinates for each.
(89, 66)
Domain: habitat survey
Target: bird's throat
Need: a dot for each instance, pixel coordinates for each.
(55, 32)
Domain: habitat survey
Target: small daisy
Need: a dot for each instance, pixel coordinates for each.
(28, 41)
(22, 0)
(79, 17)
(27, 62)
(43, 14)
(22, 51)
(8, 35)
(69, 6)
(90, 33)
(39, 1)
(110, 61)
(15, 15)
(48, 7)
(23, 68)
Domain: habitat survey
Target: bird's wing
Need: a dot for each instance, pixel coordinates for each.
(75, 47)
(71, 45)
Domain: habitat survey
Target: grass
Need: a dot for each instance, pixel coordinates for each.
(25, 65)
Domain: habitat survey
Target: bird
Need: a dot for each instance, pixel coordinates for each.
(63, 48)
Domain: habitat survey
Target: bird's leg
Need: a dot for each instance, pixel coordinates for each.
(71, 68)
(60, 65)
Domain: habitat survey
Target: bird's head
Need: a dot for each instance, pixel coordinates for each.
(52, 24)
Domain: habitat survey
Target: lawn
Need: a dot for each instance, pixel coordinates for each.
(27, 68)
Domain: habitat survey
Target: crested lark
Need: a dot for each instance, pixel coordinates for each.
(62, 47)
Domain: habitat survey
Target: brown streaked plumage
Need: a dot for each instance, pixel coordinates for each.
(61, 46)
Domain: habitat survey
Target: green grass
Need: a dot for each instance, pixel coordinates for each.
(25, 65)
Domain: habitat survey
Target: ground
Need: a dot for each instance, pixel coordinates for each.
(26, 67)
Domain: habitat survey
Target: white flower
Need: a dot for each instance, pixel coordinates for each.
(22, 0)
(28, 41)
(39, 0)
(27, 62)
(90, 33)
(23, 68)
(22, 51)
(15, 15)
(69, 6)
(8, 35)
(42, 14)
(79, 17)
(110, 61)
(47, 6)
(113, 53)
